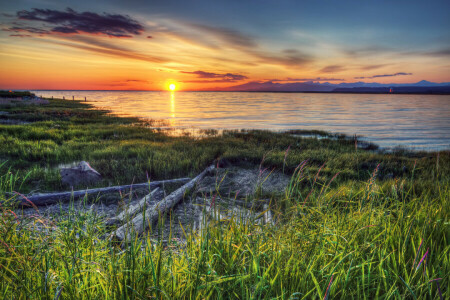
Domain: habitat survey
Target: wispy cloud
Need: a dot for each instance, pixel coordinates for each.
(137, 80)
(73, 22)
(373, 67)
(248, 44)
(357, 52)
(438, 52)
(385, 75)
(305, 79)
(232, 37)
(333, 69)
(21, 35)
(289, 59)
(225, 77)
(111, 50)
(27, 29)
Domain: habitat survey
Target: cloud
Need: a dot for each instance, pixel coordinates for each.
(27, 29)
(226, 77)
(125, 82)
(385, 75)
(104, 48)
(137, 80)
(366, 51)
(373, 67)
(248, 45)
(230, 36)
(21, 35)
(73, 22)
(287, 59)
(439, 52)
(94, 41)
(333, 69)
(306, 79)
(207, 81)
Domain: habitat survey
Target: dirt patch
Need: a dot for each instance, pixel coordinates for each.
(237, 182)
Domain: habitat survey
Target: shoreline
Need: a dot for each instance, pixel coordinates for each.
(103, 130)
(423, 132)
(363, 142)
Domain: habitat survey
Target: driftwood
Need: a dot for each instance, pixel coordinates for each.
(45, 199)
(151, 215)
(132, 210)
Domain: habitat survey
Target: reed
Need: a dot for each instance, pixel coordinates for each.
(366, 240)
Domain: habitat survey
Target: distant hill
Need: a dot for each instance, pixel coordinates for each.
(422, 87)
(397, 90)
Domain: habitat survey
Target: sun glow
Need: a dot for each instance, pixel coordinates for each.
(172, 87)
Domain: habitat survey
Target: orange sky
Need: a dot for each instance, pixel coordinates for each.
(197, 57)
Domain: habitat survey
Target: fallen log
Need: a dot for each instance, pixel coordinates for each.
(132, 210)
(51, 198)
(151, 215)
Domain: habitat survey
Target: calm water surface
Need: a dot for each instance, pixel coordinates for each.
(413, 121)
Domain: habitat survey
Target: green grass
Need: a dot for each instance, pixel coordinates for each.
(15, 94)
(367, 239)
(360, 234)
(124, 150)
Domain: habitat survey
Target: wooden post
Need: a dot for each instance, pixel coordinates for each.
(84, 99)
(64, 98)
(52, 97)
(73, 97)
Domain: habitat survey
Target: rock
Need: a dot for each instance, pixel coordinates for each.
(82, 174)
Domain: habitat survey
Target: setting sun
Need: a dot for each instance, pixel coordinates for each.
(172, 87)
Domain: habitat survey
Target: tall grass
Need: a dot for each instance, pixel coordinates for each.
(352, 224)
(358, 240)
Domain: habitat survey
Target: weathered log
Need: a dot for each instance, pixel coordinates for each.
(46, 199)
(151, 215)
(132, 210)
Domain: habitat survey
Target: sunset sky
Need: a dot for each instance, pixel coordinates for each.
(210, 45)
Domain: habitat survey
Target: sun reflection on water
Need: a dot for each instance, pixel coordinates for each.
(172, 107)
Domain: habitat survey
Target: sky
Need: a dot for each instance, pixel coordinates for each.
(213, 45)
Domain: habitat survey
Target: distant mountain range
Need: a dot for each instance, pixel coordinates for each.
(423, 86)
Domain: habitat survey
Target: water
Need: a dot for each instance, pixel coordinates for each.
(412, 121)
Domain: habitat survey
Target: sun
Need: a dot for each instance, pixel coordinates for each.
(172, 87)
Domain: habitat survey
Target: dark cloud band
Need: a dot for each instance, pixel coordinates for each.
(73, 22)
(385, 75)
(227, 77)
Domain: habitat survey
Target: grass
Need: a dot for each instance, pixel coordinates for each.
(124, 150)
(14, 94)
(378, 229)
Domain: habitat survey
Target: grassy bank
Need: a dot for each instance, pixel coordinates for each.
(124, 150)
(352, 223)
